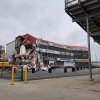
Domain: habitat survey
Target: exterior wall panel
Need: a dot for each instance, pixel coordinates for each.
(10, 49)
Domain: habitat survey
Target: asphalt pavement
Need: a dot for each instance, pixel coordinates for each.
(64, 88)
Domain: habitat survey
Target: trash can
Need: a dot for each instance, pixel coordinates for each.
(33, 70)
(65, 69)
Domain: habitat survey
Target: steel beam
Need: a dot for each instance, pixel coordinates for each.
(97, 40)
(95, 34)
(84, 17)
(89, 51)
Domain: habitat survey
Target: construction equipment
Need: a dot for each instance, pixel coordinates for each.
(3, 62)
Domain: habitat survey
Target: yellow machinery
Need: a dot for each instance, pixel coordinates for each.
(3, 62)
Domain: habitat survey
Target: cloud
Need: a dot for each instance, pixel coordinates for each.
(41, 18)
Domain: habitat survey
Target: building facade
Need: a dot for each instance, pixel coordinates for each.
(58, 53)
(52, 53)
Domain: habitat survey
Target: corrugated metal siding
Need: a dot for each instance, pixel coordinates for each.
(10, 49)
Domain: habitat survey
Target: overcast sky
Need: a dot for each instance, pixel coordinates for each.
(44, 19)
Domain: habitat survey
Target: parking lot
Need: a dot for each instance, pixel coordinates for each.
(67, 88)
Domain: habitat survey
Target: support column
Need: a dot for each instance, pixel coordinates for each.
(89, 51)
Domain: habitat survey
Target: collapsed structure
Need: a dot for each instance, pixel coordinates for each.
(33, 51)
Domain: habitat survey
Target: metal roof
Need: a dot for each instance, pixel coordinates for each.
(79, 10)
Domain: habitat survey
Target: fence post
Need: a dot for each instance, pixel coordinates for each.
(12, 76)
(26, 75)
(21, 73)
(1, 72)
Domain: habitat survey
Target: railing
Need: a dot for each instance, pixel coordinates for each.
(69, 3)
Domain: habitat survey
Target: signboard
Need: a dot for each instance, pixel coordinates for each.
(65, 59)
(82, 60)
